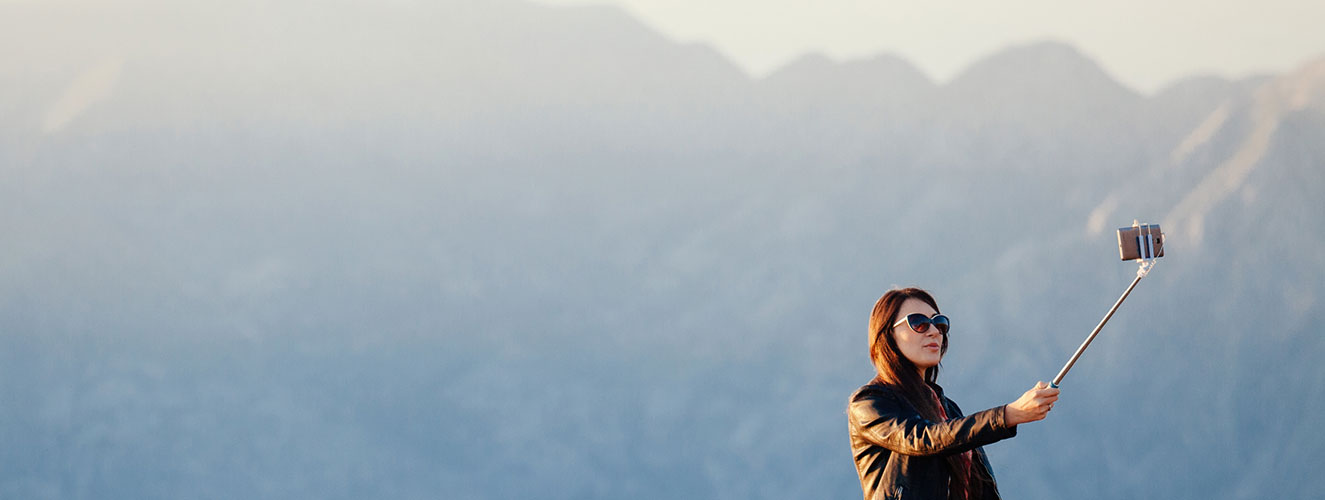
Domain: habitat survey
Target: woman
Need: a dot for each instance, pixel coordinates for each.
(908, 439)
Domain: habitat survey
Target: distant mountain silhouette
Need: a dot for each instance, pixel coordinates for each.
(880, 83)
(1053, 72)
(1255, 124)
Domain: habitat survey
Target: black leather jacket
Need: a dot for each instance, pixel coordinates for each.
(900, 455)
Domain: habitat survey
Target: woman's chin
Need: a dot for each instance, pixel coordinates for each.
(929, 362)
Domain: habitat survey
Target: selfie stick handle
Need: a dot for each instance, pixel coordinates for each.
(1086, 344)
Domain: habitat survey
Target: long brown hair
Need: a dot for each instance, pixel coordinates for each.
(897, 372)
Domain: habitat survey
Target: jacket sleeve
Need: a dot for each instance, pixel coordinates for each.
(883, 419)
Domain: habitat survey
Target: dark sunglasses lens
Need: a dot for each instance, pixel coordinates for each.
(941, 322)
(918, 322)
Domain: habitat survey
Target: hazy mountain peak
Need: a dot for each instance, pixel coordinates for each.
(1050, 84)
(1305, 87)
(883, 79)
(878, 68)
(809, 61)
(1197, 84)
(1040, 52)
(1035, 65)
(602, 13)
(635, 49)
(887, 65)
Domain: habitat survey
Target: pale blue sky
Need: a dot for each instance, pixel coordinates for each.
(1143, 43)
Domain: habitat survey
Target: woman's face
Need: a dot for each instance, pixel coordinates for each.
(925, 350)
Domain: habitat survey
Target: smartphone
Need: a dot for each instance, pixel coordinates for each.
(1143, 241)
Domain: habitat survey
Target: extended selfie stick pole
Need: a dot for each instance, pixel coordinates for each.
(1146, 249)
(1062, 373)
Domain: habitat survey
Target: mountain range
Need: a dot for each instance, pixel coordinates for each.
(500, 249)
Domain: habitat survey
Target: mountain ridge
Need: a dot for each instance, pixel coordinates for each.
(497, 237)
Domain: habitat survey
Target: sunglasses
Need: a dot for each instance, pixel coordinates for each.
(919, 323)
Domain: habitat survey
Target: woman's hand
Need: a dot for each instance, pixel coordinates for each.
(1031, 406)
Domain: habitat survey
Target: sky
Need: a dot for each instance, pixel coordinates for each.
(1144, 44)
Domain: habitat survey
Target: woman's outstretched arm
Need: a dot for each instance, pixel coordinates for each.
(884, 419)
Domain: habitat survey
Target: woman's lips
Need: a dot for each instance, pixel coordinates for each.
(931, 346)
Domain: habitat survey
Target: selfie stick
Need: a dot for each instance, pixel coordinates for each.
(1146, 248)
